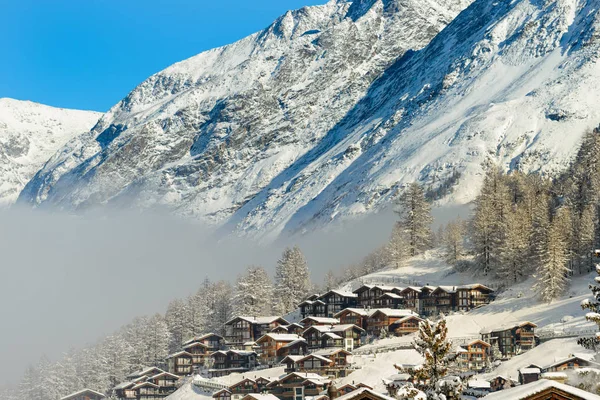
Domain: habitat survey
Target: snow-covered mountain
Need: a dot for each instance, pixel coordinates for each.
(325, 115)
(29, 134)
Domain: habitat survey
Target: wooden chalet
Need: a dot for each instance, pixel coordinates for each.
(529, 374)
(271, 344)
(296, 348)
(242, 388)
(147, 390)
(390, 300)
(180, 363)
(241, 330)
(474, 356)
(200, 354)
(354, 316)
(570, 363)
(405, 326)
(501, 382)
(368, 296)
(212, 341)
(412, 298)
(542, 390)
(311, 321)
(347, 336)
(445, 300)
(226, 362)
(85, 394)
(333, 363)
(223, 394)
(511, 339)
(296, 386)
(294, 329)
(427, 301)
(328, 304)
(472, 296)
(383, 318)
(167, 382)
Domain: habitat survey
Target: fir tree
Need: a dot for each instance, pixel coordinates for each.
(593, 306)
(415, 219)
(453, 241)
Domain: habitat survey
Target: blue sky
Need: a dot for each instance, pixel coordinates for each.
(88, 54)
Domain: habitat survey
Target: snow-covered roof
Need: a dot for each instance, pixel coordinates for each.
(526, 371)
(525, 391)
(359, 392)
(142, 384)
(505, 327)
(145, 371)
(447, 289)
(163, 374)
(316, 381)
(391, 295)
(202, 337)
(360, 311)
(330, 351)
(179, 354)
(401, 320)
(84, 391)
(258, 320)
(332, 335)
(475, 286)
(554, 375)
(478, 384)
(317, 356)
(294, 359)
(322, 320)
(124, 385)
(194, 344)
(587, 358)
(392, 312)
(260, 396)
(341, 293)
(280, 337)
(295, 342)
(345, 327)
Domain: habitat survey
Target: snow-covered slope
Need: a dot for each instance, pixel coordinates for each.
(29, 134)
(298, 125)
(209, 134)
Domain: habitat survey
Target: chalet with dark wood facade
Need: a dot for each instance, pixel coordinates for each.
(328, 304)
(226, 362)
(570, 363)
(347, 337)
(180, 363)
(295, 386)
(271, 344)
(511, 339)
(333, 363)
(294, 329)
(354, 316)
(472, 296)
(223, 394)
(241, 330)
(369, 296)
(384, 318)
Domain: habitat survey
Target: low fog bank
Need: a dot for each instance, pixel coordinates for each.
(69, 280)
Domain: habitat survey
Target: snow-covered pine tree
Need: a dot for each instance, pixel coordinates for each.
(292, 280)
(431, 343)
(552, 278)
(453, 240)
(221, 306)
(397, 248)
(415, 217)
(330, 281)
(593, 306)
(157, 339)
(253, 293)
(495, 352)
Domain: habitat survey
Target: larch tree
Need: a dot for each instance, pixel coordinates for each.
(397, 248)
(593, 315)
(513, 250)
(415, 218)
(253, 293)
(292, 280)
(453, 239)
(552, 274)
(177, 318)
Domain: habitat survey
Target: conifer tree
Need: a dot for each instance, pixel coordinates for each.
(253, 293)
(432, 343)
(593, 306)
(552, 275)
(415, 219)
(292, 280)
(513, 250)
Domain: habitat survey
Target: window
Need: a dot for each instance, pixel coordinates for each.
(299, 393)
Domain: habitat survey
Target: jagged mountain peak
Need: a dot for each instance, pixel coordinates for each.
(328, 112)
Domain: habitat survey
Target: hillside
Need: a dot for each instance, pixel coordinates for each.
(29, 134)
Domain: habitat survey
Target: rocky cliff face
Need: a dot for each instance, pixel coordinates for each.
(29, 134)
(328, 113)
